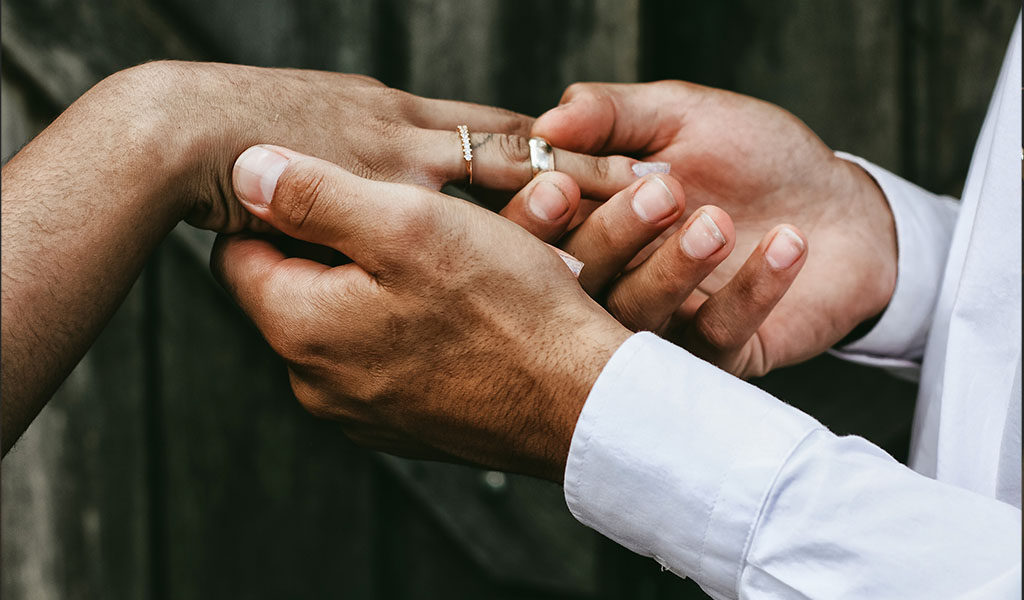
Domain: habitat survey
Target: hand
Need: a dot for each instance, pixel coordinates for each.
(764, 167)
(454, 333)
(372, 130)
(155, 144)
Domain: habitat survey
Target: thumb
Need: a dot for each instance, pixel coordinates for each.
(606, 118)
(319, 202)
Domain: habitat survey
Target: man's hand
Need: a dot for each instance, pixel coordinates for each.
(764, 167)
(454, 333)
(88, 200)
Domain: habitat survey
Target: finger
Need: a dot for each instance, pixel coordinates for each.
(645, 297)
(250, 268)
(446, 115)
(281, 295)
(621, 227)
(617, 118)
(545, 206)
(731, 316)
(319, 202)
(502, 161)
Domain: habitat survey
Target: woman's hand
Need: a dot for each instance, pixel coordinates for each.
(212, 112)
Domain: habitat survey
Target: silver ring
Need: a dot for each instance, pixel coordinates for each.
(542, 155)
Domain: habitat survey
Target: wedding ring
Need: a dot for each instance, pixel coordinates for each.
(542, 156)
(467, 150)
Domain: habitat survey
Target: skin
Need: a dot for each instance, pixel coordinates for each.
(397, 344)
(765, 168)
(436, 341)
(88, 200)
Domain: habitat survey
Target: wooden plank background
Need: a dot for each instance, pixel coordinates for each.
(173, 463)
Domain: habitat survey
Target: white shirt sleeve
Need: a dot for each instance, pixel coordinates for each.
(924, 231)
(719, 481)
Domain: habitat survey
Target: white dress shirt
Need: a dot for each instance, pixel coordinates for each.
(719, 481)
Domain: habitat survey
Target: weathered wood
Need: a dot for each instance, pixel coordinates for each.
(26, 111)
(257, 493)
(832, 63)
(75, 487)
(953, 52)
(316, 34)
(516, 529)
(175, 463)
(67, 46)
(519, 55)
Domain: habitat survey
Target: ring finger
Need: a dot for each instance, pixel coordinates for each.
(502, 161)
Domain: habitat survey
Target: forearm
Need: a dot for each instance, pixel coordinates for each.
(88, 200)
(84, 205)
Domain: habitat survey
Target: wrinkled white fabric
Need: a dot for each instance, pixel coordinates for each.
(719, 481)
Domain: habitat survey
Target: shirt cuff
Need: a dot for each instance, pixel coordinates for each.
(924, 230)
(674, 458)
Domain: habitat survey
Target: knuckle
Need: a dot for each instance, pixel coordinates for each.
(385, 161)
(413, 222)
(298, 193)
(293, 334)
(389, 98)
(756, 293)
(517, 125)
(578, 90)
(282, 338)
(671, 85)
(387, 126)
(662, 278)
(400, 101)
(602, 166)
(603, 232)
(625, 306)
(404, 105)
(311, 398)
(414, 218)
(368, 167)
(514, 148)
(364, 79)
(716, 334)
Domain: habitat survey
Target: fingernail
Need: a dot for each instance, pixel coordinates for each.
(646, 168)
(703, 238)
(256, 173)
(653, 201)
(784, 249)
(547, 202)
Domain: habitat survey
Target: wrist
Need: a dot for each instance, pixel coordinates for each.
(196, 126)
(876, 229)
(147, 102)
(585, 352)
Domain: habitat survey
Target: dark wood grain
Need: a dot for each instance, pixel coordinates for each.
(174, 463)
